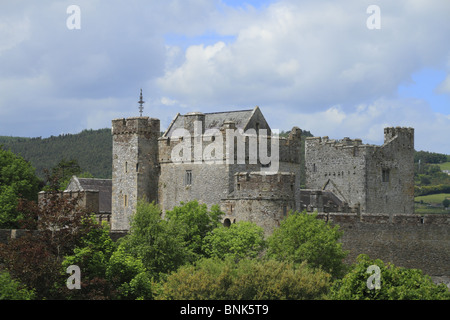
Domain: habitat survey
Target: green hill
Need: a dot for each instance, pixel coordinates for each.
(91, 148)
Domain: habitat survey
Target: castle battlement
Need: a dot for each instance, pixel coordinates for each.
(392, 132)
(260, 184)
(136, 125)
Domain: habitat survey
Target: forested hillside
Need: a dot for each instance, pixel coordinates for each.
(91, 148)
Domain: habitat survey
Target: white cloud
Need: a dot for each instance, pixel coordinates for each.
(367, 122)
(314, 62)
(313, 54)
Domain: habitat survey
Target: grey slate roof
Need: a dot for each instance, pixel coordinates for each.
(215, 120)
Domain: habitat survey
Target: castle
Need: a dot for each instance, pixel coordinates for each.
(234, 159)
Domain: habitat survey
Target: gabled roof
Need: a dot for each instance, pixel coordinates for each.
(102, 186)
(215, 120)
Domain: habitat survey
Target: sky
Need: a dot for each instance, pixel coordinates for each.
(335, 68)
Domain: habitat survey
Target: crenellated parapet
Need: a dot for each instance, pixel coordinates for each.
(136, 125)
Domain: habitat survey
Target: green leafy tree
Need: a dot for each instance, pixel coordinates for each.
(93, 255)
(195, 222)
(302, 237)
(128, 275)
(247, 279)
(241, 240)
(157, 242)
(17, 180)
(11, 289)
(396, 283)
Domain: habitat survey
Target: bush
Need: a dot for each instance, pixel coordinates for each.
(396, 283)
(11, 289)
(248, 279)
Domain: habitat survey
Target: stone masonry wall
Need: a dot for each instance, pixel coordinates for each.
(390, 173)
(337, 166)
(135, 167)
(375, 178)
(410, 241)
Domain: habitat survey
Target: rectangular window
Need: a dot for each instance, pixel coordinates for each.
(188, 178)
(125, 200)
(385, 175)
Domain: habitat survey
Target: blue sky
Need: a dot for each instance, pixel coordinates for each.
(310, 63)
(424, 86)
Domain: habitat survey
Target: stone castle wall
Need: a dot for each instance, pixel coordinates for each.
(409, 241)
(375, 178)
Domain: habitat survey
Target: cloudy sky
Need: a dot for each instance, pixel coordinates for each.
(314, 64)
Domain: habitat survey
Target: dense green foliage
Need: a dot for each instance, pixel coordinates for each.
(91, 148)
(430, 157)
(160, 259)
(248, 279)
(158, 242)
(17, 180)
(64, 170)
(241, 240)
(396, 283)
(11, 289)
(302, 237)
(195, 222)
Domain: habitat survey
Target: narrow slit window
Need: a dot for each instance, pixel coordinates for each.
(385, 175)
(188, 178)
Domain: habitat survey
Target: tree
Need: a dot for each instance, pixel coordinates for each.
(195, 221)
(64, 171)
(302, 237)
(446, 203)
(92, 256)
(55, 227)
(157, 242)
(122, 270)
(240, 240)
(247, 279)
(17, 180)
(396, 283)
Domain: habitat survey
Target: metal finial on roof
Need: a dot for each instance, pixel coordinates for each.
(141, 102)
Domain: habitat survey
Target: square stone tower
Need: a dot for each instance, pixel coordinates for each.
(135, 169)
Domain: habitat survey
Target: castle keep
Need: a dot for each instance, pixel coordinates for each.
(234, 159)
